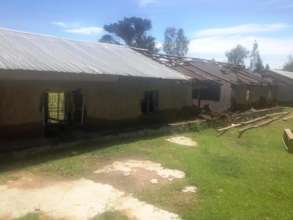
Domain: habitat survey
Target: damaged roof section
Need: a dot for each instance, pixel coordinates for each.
(284, 73)
(280, 77)
(33, 52)
(208, 70)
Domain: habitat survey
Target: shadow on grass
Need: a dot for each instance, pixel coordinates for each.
(63, 147)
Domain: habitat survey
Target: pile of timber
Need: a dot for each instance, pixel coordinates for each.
(253, 113)
(288, 140)
(238, 116)
(255, 123)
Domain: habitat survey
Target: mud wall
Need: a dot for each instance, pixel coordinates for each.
(247, 96)
(223, 104)
(285, 94)
(115, 99)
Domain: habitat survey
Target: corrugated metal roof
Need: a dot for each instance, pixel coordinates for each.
(230, 73)
(284, 73)
(27, 51)
(207, 70)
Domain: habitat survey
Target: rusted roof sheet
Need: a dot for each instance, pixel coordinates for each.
(27, 51)
(279, 77)
(207, 70)
(230, 73)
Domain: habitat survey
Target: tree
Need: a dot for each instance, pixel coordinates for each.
(289, 65)
(267, 67)
(237, 55)
(133, 31)
(256, 64)
(176, 43)
(107, 38)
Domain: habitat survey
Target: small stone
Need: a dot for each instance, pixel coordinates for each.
(154, 181)
(126, 174)
(190, 189)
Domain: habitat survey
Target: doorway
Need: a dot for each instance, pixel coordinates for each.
(64, 110)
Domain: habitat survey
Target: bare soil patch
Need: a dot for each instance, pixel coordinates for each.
(131, 167)
(136, 175)
(80, 199)
(141, 180)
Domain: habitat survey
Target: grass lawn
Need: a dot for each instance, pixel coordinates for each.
(247, 178)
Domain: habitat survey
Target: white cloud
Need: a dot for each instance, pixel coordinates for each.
(159, 45)
(92, 30)
(77, 28)
(213, 43)
(220, 44)
(242, 29)
(59, 24)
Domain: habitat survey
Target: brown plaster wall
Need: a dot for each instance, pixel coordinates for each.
(285, 94)
(256, 96)
(116, 99)
(219, 106)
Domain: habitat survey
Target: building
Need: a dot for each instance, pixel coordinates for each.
(284, 82)
(48, 82)
(222, 86)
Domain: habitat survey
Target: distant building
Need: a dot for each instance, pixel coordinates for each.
(284, 82)
(222, 86)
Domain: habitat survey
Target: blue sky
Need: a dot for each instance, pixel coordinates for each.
(212, 26)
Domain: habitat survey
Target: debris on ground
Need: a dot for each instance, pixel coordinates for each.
(288, 117)
(258, 125)
(181, 140)
(253, 113)
(254, 123)
(288, 140)
(154, 181)
(189, 189)
(77, 200)
(130, 167)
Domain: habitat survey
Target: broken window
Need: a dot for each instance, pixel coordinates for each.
(77, 107)
(210, 93)
(56, 107)
(150, 103)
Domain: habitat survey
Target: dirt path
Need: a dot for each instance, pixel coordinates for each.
(83, 199)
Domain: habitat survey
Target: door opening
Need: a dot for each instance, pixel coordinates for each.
(56, 108)
(78, 108)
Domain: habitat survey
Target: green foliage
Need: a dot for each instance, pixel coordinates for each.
(30, 216)
(267, 67)
(237, 55)
(107, 38)
(111, 215)
(176, 43)
(289, 65)
(133, 31)
(256, 64)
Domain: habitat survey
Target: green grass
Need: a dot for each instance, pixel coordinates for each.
(111, 215)
(240, 179)
(30, 216)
